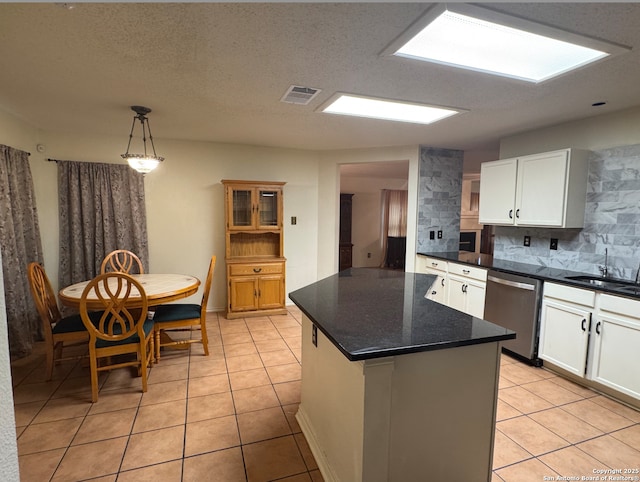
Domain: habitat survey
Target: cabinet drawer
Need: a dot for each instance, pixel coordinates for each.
(468, 271)
(570, 294)
(620, 305)
(254, 269)
(423, 263)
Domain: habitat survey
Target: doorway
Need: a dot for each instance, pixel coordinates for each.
(366, 181)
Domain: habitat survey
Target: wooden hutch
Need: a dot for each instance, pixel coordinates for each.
(254, 248)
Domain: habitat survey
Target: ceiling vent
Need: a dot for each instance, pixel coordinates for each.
(299, 95)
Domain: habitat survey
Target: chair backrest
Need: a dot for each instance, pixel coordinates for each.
(207, 287)
(43, 296)
(112, 291)
(122, 261)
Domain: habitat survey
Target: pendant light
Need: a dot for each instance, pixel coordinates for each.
(145, 162)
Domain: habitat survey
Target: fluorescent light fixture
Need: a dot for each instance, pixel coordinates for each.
(480, 39)
(393, 110)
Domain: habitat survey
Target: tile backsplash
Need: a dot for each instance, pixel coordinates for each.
(612, 222)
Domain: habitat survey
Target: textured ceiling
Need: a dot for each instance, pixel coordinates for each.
(216, 72)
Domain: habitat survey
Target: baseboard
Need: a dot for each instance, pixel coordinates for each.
(321, 460)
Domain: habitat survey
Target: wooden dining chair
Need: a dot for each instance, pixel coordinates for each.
(59, 333)
(120, 330)
(183, 316)
(122, 261)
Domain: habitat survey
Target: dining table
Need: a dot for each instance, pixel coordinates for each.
(160, 288)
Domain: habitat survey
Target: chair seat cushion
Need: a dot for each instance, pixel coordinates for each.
(73, 323)
(175, 312)
(147, 327)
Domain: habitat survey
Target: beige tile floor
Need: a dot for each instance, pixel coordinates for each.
(230, 417)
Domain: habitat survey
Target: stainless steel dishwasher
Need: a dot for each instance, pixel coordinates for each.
(513, 301)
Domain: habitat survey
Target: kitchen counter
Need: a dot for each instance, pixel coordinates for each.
(544, 273)
(395, 387)
(371, 313)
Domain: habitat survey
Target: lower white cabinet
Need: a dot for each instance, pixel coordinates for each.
(458, 286)
(592, 335)
(467, 288)
(616, 353)
(564, 326)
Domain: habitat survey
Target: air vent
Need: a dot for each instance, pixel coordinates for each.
(299, 95)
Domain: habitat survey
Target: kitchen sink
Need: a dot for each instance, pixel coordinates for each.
(609, 283)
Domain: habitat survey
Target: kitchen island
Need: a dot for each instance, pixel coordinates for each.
(395, 387)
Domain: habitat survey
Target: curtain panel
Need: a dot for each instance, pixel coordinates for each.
(20, 244)
(394, 226)
(102, 208)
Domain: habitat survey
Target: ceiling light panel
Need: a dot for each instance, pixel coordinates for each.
(479, 39)
(385, 109)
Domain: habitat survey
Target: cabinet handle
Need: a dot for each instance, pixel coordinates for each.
(466, 271)
(510, 213)
(584, 324)
(257, 270)
(518, 213)
(464, 288)
(598, 328)
(434, 292)
(434, 264)
(442, 281)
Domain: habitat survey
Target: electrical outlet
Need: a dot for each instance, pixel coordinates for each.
(527, 240)
(314, 335)
(440, 234)
(432, 235)
(553, 244)
(368, 255)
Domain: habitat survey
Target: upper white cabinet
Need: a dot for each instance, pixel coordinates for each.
(538, 190)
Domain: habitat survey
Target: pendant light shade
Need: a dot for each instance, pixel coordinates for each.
(146, 161)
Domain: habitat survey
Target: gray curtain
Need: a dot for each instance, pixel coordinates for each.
(102, 208)
(20, 245)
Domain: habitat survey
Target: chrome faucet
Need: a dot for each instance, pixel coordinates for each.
(605, 269)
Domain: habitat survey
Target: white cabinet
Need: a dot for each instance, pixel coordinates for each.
(546, 189)
(438, 290)
(458, 286)
(467, 288)
(592, 335)
(616, 333)
(497, 191)
(564, 326)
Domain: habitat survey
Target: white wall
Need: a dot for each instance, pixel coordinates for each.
(366, 216)
(595, 133)
(9, 468)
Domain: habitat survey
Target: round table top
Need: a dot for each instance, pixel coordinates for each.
(160, 288)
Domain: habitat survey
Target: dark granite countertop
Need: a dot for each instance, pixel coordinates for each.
(543, 273)
(372, 313)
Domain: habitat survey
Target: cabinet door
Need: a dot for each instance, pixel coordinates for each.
(497, 191)
(541, 189)
(615, 357)
(564, 336)
(244, 293)
(268, 208)
(438, 290)
(241, 207)
(456, 295)
(270, 292)
(475, 292)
